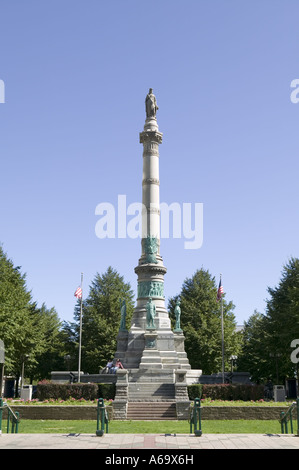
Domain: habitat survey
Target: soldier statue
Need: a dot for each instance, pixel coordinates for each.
(177, 312)
(151, 104)
(123, 314)
(150, 313)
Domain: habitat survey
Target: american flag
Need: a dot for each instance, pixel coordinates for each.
(220, 291)
(78, 293)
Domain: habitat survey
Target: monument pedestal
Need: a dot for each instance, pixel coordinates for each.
(150, 358)
(122, 345)
(179, 343)
(181, 395)
(120, 403)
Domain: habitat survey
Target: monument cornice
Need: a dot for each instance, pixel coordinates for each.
(150, 181)
(153, 210)
(150, 267)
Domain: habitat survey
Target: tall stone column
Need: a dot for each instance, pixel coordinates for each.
(150, 269)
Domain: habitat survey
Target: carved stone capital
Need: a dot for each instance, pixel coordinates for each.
(150, 136)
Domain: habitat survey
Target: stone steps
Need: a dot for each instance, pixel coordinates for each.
(139, 391)
(151, 411)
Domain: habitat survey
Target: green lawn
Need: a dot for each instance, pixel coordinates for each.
(154, 427)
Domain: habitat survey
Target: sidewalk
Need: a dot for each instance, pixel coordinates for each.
(149, 441)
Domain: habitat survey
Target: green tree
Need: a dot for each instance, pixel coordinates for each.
(252, 357)
(100, 319)
(282, 321)
(20, 321)
(201, 323)
(51, 354)
(266, 351)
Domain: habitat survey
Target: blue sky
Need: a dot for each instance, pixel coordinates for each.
(76, 74)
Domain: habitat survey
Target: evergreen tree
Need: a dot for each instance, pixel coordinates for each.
(266, 352)
(20, 328)
(201, 323)
(51, 355)
(253, 357)
(282, 321)
(30, 334)
(100, 320)
(17, 322)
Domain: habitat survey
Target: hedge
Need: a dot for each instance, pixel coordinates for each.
(90, 391)
(226, 391)
(106, 391)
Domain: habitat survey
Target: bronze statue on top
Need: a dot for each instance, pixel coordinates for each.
(151, 107)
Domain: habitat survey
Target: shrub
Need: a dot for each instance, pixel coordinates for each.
(55, 391)
(47, 390)
(195, 391)
(226, 391)
(106, 391)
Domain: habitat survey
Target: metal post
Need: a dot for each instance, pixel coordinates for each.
(1, 414)
(24, 359)
(281, 422)
(1, 378)
(222, 339)
(291, 420)
(220, 296)
(8, 417)
(22, 373)
(107, 421)
(13, 422)
(197, 417)
(100, 417)
(80, 332)
(17, 421)
(103, 419)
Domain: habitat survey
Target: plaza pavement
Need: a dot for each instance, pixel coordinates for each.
(149, 441)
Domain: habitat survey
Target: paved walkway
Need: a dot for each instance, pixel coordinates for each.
(149, 441)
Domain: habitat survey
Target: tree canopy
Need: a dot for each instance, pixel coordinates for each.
(267, 337)
(27, 331)
(201, 323)
(101, 319)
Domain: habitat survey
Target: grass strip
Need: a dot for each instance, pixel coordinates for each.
(239, 426)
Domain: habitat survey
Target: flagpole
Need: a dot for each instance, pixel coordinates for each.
(80, 331)
(222, 334)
